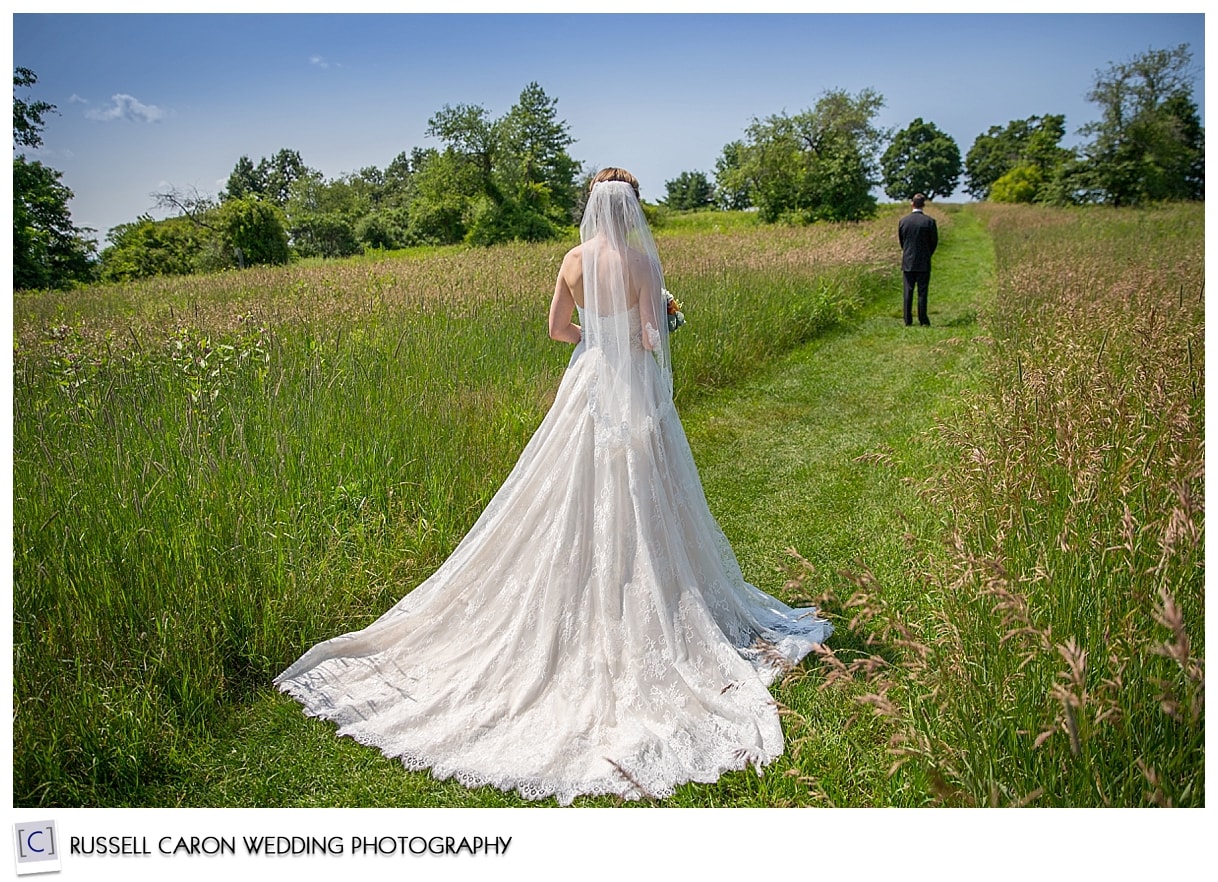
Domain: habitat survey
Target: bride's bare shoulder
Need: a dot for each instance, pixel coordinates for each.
(641, 261)
(636, 256)
(573, 261)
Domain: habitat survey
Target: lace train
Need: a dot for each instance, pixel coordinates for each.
(592, 634)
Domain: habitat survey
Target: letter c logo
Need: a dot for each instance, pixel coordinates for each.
(29, 841)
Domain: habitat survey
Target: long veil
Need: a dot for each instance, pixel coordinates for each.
(623, 314)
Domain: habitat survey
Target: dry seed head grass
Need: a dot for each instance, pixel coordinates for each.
(1074, 477)
(515, 276)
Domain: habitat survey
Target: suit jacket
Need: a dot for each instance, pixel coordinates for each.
(919, 237)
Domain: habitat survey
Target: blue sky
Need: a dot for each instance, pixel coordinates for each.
(149, 101)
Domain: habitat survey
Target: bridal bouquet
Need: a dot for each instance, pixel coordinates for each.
(676, 318)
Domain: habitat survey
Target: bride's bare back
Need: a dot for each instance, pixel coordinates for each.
(642, 281)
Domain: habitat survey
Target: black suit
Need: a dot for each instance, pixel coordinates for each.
(919, 236)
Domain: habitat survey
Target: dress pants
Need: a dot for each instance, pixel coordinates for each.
(922, 281)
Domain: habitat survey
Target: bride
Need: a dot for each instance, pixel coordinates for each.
(592, 634)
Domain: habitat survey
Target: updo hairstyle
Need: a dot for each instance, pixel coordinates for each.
(616, 174)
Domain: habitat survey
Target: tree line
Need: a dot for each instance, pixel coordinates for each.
(824, 163)
(492, 181)
(512, 177)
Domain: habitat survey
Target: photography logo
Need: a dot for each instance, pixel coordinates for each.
(36, 847)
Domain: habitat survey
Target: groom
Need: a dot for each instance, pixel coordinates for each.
(919, 236)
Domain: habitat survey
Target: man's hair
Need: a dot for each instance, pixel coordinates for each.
(919, 200)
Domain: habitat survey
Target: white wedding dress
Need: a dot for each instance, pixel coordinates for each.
(593, 633)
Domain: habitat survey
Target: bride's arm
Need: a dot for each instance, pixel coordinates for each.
(561, 306)
(650, 298)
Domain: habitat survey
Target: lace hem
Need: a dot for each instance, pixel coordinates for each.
(699, 751)
(627, 783)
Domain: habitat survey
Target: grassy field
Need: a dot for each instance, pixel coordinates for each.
(213, 473)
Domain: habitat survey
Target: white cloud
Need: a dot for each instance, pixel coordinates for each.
(319, 61)
(129, 108)
(76, 99)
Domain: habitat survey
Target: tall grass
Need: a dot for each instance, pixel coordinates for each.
(213, 473)
(1054, 654)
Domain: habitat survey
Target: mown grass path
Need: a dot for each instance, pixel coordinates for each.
(778, 454)
(779, 458)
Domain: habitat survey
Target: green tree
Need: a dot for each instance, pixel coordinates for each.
(1068, 183)
(1032, 141)
(492, 222)
(689, 191)
(1182, 172)
(279, 172)
(325, 234)
(49, 251)
(240, 232)
(322, 215)
(28, 116)
(1149, 144)
(444, 188)
(253, 231)
(920, 159)
(469, 134)
(1021, 184)
(509, 178)
(398, 179)
(384, 228)
(817, 165)
(243, 181)
(270, 179)
(147, 247)
(533, 163)
(731, 182)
